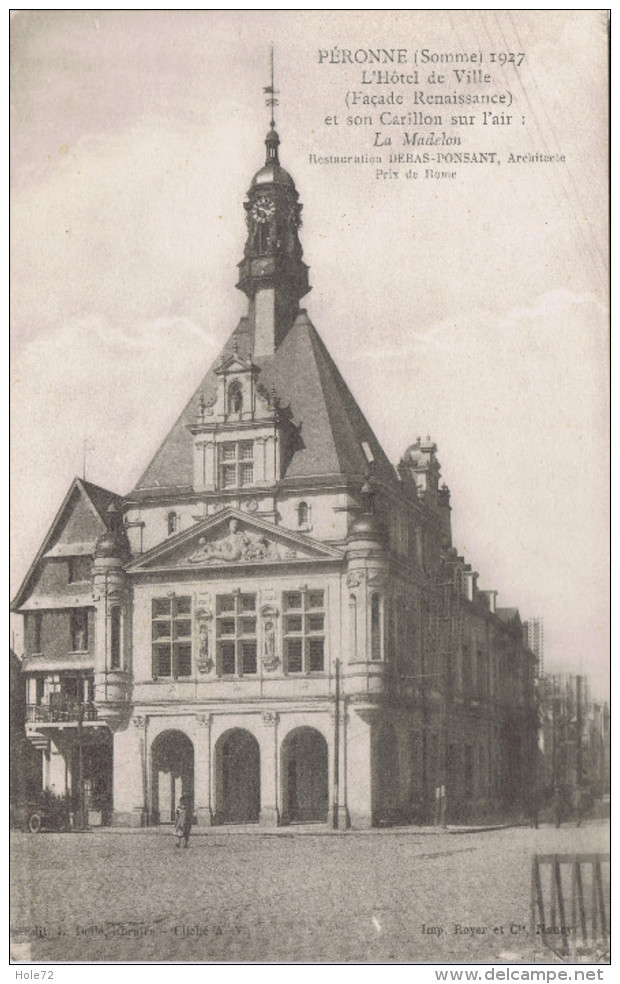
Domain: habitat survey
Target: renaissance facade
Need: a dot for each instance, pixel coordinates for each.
(274, 621)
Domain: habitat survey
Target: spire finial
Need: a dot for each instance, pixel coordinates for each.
(273, 139)
(271, 100)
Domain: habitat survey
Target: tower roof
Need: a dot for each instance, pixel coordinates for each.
(331, 425)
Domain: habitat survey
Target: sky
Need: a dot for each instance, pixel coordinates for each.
(472, 309)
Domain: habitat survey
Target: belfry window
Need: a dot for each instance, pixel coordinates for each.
(173, 523)
(303, 514)
(171, 633)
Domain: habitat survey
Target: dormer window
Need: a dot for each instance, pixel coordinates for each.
(173, 523)
(235, 397)
(236, 464)
(79, 569)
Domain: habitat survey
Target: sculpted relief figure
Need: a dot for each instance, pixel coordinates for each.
(236, 546)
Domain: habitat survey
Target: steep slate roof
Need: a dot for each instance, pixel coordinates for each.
(332, 426)
(97, 499)
(100, 498)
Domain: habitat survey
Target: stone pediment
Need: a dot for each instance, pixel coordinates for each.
(230, 539)
(234, 364)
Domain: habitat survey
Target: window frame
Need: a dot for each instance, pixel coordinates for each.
(116, 631)
(304, 638)
(73, 569)
(234, 612)
(235, 464)
(74, 629)
(38, 632)
(376, 628)
(179, 612)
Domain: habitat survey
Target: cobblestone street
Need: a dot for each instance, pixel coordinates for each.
(393, 895)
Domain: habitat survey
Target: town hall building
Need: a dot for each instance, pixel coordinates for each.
(273, 622)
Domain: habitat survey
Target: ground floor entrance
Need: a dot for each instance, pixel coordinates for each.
(237, 777)
(304, 775)
(172, 774)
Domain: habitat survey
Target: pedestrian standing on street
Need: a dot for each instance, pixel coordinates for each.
(183, 823)
(578, 806)
(533, 808)
(557, 806)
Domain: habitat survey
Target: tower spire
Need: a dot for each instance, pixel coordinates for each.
(272, 273)
(272, 92)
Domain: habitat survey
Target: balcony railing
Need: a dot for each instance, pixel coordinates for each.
(62, 711)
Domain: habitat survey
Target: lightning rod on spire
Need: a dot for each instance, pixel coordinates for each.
(272, 92)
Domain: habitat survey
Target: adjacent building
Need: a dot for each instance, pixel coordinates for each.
(536, 642)
(574, 735)
(274, 621)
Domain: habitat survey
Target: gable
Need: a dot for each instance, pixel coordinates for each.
(78, 524)
(78, 530)
(230, 539)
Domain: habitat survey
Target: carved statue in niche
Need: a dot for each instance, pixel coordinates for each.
(235, 397)
(204, 662)
(270, 657)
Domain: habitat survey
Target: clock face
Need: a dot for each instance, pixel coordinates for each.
(263, 209)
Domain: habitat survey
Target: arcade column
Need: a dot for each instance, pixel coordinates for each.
(130, 774)
(269, 805)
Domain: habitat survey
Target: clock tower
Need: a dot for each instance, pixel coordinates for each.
(272, 272)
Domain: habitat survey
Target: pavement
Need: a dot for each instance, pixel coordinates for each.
(299, 830)
(287, 895)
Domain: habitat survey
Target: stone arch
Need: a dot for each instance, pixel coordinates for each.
(172, 774)
(305, 780)
(237, 777)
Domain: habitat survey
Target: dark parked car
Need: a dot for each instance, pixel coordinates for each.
(47, 812)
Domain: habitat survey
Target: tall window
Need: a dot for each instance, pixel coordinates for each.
(375, 627)
(172, 637)
(236, 464)
(353, 626)
(173, 523)
(236, 634)
(304, 631)
(38, 632)
(79, 630)
(115, 638)
(303, 514)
